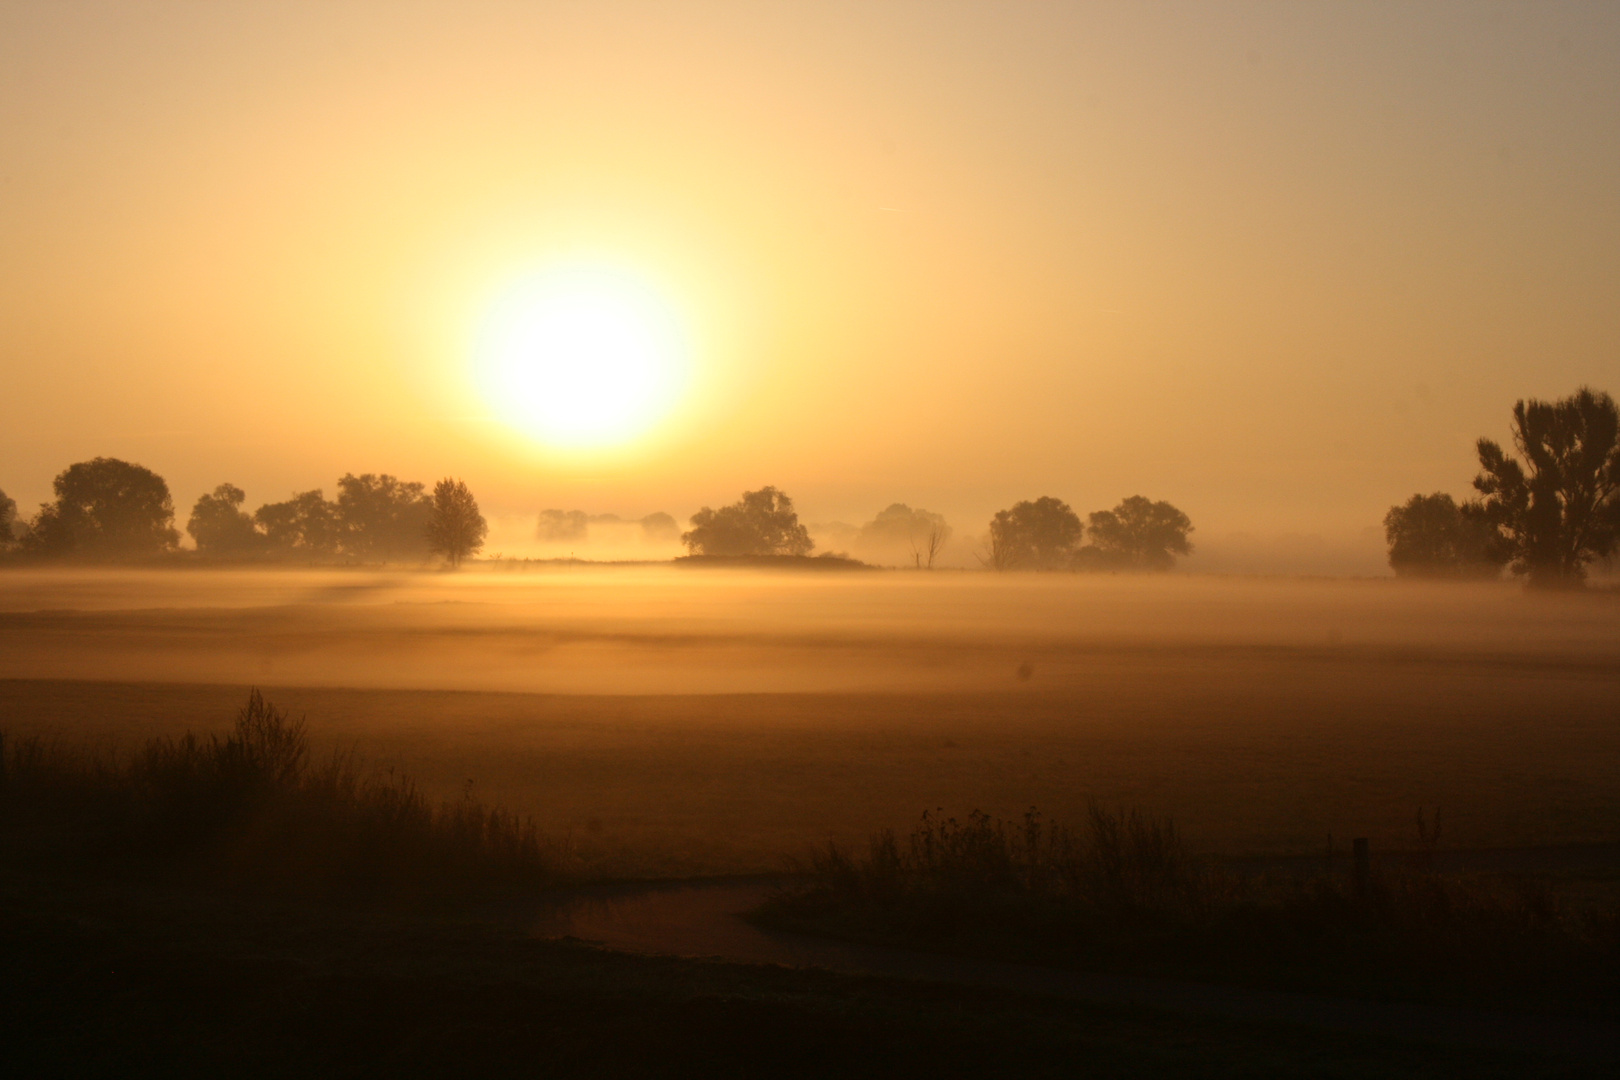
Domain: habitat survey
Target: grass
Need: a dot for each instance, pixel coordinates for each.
(1124, 893)
(251, 807)
(132, 968)
(1249, 758)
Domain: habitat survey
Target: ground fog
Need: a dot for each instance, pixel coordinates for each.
(675, 720)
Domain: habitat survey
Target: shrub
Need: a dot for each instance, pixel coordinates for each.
(251, 807)
(1124, 893)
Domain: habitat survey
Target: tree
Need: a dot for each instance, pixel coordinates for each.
(1138, 534)
(304, 526)
(455, 528)
(659, 526)
(1432, 536)
(106, 508)
(1039, 535)
(382, 518)
(8, 521)
(562, 526)
(1559, 508)
(921, 533)
(762, 522)
(219, 526)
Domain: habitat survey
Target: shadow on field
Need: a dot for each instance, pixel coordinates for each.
(714, 919)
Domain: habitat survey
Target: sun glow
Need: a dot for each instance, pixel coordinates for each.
(582, 356)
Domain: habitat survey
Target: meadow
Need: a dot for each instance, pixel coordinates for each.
(655, 720)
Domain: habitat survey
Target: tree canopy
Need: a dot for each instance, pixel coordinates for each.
(106, 508)
(1432, 536)
(920, 533)
(455, 528)
(8, 521)
(1138, 534)
(219, 526)
(305, 526)
(1039, 535)
(563, 526)
(382, 518)
(762, 522)
(1556, 506)
(660, 526)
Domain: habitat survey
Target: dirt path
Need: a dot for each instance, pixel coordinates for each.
(701, 919)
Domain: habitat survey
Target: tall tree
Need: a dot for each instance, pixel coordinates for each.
(1039, 535)
(305, 526)
(1432, 536)
(455, 528)
(382, 518)
(1138, 534)
(219, 526)
(762, 522)
(106, 508)
(1556, 506)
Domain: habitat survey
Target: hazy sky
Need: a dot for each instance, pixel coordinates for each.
(1279, 264)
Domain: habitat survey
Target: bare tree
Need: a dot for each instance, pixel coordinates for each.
(899, 528)
(455, 528)
(925, 548)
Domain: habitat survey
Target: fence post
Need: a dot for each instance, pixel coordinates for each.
(1363, 866)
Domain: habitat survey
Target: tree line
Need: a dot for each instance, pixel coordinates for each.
(1546, 511)
(1044, 534)
(107, 509)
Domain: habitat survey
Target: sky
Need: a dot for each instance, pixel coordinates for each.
(1279, 264)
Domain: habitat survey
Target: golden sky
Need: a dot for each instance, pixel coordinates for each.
(1278, 263)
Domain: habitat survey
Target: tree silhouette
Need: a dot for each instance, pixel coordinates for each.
(455, 528)
(762, 522)
(1039, 535)
(561, 526)
(659, 526)
(8, 521)
(381, 517)
(1559, 508)
(1138, 534)
(921, 532)
(1431, 536)
(219, 526)
(304, 526)
(106, 508)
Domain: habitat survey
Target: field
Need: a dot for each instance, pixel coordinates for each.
(661, 720)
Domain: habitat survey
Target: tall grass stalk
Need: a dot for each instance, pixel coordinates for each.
(253, 807)
(1124, 893)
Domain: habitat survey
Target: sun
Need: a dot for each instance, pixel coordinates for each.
(581, 356)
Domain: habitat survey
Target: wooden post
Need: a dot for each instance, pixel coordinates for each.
(1362, 867)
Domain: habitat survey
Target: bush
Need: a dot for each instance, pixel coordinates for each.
(1124, 893)
(251, 808)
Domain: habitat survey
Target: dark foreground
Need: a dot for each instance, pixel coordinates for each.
(125, 979)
